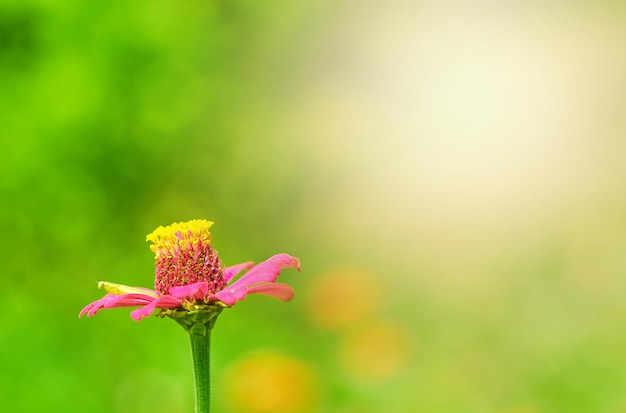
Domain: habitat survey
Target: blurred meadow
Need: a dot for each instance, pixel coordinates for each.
(451, 174)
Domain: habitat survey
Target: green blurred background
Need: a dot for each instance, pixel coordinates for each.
(451, 175)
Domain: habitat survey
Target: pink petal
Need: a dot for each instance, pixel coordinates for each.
(264, 272)
(268, 270)
(129, 300)
(92, 308)
(231, 294)
(230, 272)
(197, 291)
(281, 291)
(166, 301)
(113, 301)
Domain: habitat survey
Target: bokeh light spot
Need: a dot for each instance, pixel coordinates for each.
(270, 382)
(342, 296)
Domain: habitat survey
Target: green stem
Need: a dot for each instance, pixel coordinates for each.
(199, 322)
(200, 352)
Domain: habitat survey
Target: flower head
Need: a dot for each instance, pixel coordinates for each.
(183, 255)
(189, 276)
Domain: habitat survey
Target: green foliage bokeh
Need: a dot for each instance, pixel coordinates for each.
(116, 118)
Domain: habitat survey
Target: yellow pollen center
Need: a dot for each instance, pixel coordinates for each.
(180, 234)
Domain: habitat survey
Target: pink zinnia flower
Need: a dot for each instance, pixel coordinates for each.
(190, 276)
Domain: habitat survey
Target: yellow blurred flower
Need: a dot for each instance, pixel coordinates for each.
(341, 297)
(270, 382)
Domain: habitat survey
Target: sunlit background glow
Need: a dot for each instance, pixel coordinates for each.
(450, 173)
